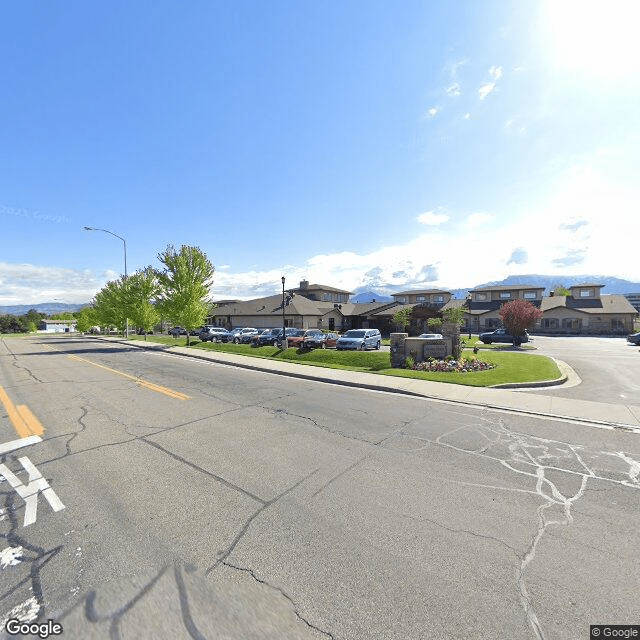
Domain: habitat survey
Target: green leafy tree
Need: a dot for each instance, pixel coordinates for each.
(110, 305)
(184, 286)
(454, 314)
(434, 324)
(63, 315)
(517, 316)
(86, 318)
(142, 290)
(560, 290)
(34, 316)
(402, 317)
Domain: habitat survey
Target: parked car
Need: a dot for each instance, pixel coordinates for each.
(360, 339)
(213, 334)
(430, 336)
(177, 331)
(268, 336)
(290, 334)
(634, 338)
(298, 340)
(230, 335)
(320, 340)
(246, 335)
(502, 335)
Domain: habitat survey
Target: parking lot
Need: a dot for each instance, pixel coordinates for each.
(608, 367)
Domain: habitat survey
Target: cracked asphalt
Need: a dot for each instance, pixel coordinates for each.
(263, 506)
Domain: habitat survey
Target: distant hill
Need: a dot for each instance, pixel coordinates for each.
(611, 285)
(370, 296)
(44, 307)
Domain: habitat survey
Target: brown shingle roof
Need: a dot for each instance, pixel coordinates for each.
(605, 304)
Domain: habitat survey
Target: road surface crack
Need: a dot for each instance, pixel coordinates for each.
(283, 593)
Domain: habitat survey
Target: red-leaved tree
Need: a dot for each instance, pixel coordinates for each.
(519, 315)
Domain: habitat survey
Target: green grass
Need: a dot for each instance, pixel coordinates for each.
(511, 366)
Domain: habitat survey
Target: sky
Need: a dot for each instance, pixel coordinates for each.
(365, 145)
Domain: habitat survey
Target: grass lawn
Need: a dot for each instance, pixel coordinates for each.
(511, 366)
(475, 342)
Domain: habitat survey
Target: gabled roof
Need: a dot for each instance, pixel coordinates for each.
(271, 305)
(357, 308)
(604, 304)
(321, 287)
(506, 287)
(587, 284)
(413, 292)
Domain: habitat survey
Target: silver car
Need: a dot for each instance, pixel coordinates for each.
(359, 339)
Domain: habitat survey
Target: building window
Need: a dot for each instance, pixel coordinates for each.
(505, 294)
(585, 293)
(439, 298)
(572, 324)
(326, 296)
(529, 295)
(550, 323)
(617, 325)
(421, 298)
(481, 296)
(401, 299)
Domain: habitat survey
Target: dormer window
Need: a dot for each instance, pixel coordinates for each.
(505, 294)
(529, 295)
(585, 293)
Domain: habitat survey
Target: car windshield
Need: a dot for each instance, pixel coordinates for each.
(354, 333)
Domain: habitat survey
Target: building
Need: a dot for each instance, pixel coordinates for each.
(634, 299)
(427, 297)
(483, 304)
(57, 326)
(321, 292)
(586, 311)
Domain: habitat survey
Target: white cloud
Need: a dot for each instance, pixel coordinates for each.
(453, 90)
(486, 89)
(466, 116)
(495, 72)
(478, 219)
(432, 218)
(433, 111)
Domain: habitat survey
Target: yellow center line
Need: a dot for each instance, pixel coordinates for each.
(143, 383)
(23, 421)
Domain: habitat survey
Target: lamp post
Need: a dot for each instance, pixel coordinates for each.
(284, 328)
(124, 242)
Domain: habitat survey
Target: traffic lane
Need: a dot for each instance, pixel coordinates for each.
(331, 454)
(608, 367)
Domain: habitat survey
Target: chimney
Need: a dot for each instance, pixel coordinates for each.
(304, 284)
(551, 294)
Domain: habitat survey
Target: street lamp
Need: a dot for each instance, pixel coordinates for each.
(284, 329)
(124, 242)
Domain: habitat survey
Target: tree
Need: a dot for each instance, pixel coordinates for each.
(142, 290)
(435, 324)
(454, 314)
(63, 315)
(560, 290)
(402, 317)
(517, 316)
(184, 286)
(110, 304)
(86, 318)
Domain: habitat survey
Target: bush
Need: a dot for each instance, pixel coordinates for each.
(409, 363)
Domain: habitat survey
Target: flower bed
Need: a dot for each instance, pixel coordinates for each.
(465, 365)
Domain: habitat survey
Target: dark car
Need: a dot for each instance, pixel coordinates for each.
(177, 331)
(268, 336)
(502, 335)
(241, 336)
(319, 340)
(634, 338)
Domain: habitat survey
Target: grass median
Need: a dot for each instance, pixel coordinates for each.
(511, 367)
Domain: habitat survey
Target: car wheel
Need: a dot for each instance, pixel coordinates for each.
(361, 347)
(236, 341)
(324, 345)
(378, 345)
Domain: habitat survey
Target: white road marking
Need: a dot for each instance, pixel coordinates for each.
(25, 612)
(10, 557)
(29, 493)
(5, 447)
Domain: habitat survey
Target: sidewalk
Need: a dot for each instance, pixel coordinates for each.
(619, 416)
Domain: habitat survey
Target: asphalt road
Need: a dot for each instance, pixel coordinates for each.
(183, 499)
(609, 368)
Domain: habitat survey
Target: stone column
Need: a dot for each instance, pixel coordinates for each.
(451, 330)
(398, 356)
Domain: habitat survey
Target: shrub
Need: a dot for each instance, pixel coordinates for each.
(409, 363)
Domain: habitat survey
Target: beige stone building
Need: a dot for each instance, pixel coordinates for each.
(586, 311)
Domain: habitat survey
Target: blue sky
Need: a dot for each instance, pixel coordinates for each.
(357, 144)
